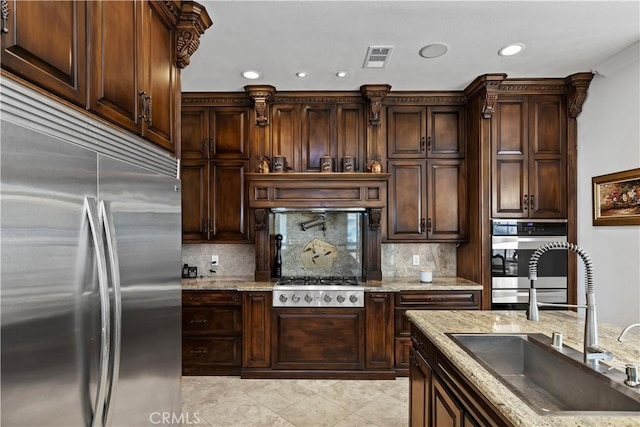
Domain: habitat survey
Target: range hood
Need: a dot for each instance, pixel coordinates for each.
(317, 190)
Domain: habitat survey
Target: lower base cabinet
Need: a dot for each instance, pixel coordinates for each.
(438, 395)
(211, 333)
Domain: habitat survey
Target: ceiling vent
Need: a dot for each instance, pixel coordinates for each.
(377, 56)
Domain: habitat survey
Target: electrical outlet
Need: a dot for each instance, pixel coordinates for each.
(214, 259)
(416, 260)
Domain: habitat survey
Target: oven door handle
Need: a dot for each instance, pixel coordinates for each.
(515, 242)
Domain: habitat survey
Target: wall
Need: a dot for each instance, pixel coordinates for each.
(609, 141)
(238, 261)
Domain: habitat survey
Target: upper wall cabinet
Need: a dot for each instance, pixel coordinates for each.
(529, 150)
(215, 132)
(52, 59)
(117, 59)
(425, 132)
(133, 69)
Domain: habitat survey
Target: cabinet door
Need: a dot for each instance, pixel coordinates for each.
(229, 212)
(318, 135)
(256, 327)
(547, 157)
(445, 129)
(194, 133)
(53, 58)
(510, 158)
(406, 210)
(379, 339)
(420, 375)
(159, 77)
(115, 37)
(351, 135)
(446, 410)
(446, 203)
(229, 132)
(406, 134)
(195, 200)
(285, 134)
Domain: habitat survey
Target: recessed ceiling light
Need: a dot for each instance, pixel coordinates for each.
(341, 74)
(301, 74)
(433, 50)
(251, 74)
(511, 49)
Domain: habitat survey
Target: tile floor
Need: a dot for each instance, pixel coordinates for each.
(230, 402)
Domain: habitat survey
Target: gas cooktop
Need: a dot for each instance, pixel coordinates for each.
(319, 281)
(318, 292)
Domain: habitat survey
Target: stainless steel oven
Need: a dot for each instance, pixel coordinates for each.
(512, 244)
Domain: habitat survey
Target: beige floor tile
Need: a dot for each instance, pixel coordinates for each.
(386, 411)
(315, 385)
(351, 395)
(314, 411)
(238, 411)
(277, 396)
(354, 420)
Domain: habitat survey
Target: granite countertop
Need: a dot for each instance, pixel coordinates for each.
(435, 325)
(386, 285)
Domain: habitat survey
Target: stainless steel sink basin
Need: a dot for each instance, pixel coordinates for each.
(549, 380)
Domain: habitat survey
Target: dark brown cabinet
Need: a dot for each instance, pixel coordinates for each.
(132, 67)
(55, 62)
(211, 333)
(425, 132)
(303, 133)
(215, 149)
(425, 300)
(439, 395)
(427, 187)
(379, 339)
(529, 164)
(256, 327)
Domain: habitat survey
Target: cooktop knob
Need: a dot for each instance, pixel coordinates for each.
(340, 298)
(327, 298)
(283, 298)
(353, 298)
(308, 298)
(295, 298)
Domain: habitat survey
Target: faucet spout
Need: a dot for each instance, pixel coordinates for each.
(592, 353)
(625, 330)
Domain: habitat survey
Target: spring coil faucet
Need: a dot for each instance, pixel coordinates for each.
(592, 353)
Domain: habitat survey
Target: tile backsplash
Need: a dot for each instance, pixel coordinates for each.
(238, 260)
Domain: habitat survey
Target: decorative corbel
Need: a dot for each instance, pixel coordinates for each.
(262, 219)
(193, 22)
(374, 94)
(261, 94)
(489, 99)
(374, 219)
(578, 85)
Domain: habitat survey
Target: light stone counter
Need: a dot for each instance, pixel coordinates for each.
(435, 324)
(386, 285)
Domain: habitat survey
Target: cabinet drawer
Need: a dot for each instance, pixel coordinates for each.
(439, 299)
(212, 321)
(221, 351)
(211, 298)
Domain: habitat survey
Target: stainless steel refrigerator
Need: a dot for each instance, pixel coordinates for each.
(90, 270)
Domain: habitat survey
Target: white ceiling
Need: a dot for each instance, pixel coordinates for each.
(280, 38)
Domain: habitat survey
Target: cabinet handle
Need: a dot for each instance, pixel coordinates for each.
(422, 142)
(429, 143)
(422, 226)
(199, 351)
(532, 202)
(199, 321)
(5, 15)
(203, 149)
(429, 225)
(192, 298)
(203, 225)
(525, 201)
(143, 109)
(149, 110)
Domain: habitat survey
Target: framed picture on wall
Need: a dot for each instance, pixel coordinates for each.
(616, 198)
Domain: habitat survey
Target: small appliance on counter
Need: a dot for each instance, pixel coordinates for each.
(189, 272)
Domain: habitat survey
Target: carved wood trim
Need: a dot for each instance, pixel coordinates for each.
(578, 85)
(287, 99)
(192, 23)
(262, 219)
(209, 99)
(261, 94)
(375, 94)
(5, 16)
(374, 219)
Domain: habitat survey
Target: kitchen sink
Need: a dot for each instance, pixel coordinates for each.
(550, 380)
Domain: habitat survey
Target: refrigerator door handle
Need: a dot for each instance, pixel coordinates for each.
(105, 317)
(112, 247)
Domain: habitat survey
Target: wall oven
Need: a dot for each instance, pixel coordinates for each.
(512, 244)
